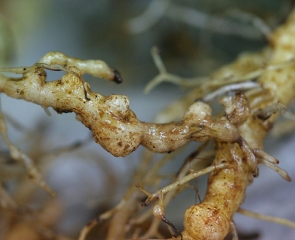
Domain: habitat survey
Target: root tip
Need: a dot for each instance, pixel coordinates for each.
(117, 76)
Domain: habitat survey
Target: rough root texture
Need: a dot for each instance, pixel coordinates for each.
(238, 133)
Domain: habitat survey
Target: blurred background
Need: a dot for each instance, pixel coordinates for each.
(194, 38)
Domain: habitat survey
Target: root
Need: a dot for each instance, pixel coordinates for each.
(184, 180)
(262, 82)
(18, 155)
(277, 220)
(104, 114)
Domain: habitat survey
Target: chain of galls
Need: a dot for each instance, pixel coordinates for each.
(239, 134)
(226, 188)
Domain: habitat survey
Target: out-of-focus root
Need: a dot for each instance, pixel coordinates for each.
(154, 11)
(288, 115)
(283, 128)
(6, 202)
(270, 110)
(263, 217)
(18, 155)
(234, 231)
(257, 22)
(86, 229)
(102, 217)
(165, 76)
(221, 85)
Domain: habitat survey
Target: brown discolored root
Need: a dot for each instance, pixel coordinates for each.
(113, 124)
